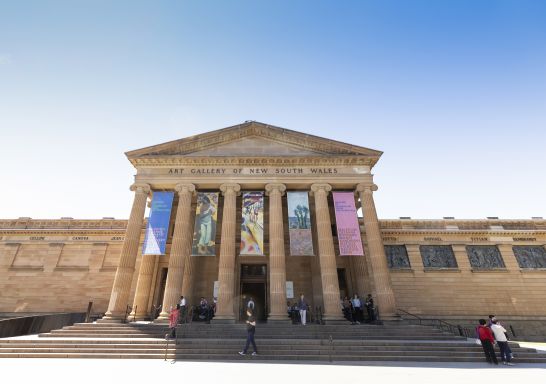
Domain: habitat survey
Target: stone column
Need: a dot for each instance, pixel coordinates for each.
(187, 281)
(143, 287)
(180, 249)
(378, 259)
(277, 263)
(327, 256)
(226, 264)
(119, 297)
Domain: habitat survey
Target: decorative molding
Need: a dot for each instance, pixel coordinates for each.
(250, 161)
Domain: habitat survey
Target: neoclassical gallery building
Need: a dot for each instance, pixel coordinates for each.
(262, 211)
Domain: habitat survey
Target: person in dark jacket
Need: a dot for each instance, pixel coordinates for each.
(250, 330)
(486, 337)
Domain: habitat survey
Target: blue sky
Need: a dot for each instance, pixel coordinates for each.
(453, 93)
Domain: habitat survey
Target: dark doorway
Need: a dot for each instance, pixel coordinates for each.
(342, 280)
(257, 292)
(254, 285)
(156, 308)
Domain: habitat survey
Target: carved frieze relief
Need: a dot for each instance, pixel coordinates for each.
(438, 256)
(484, 257)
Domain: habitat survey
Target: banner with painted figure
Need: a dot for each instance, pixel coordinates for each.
(252, 225)
(157, 229)
(348, 229)
(299, 224)
(204, 232)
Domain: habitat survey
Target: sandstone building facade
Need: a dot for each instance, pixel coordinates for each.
(439, 268)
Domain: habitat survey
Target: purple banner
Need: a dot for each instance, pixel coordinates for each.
(348, 229)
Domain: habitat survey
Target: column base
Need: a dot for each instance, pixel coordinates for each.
(163, 316)
(159, 320)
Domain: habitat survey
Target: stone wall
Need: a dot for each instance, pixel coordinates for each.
(60, 265)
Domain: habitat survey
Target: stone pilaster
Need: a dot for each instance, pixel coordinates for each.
(180, 249)
(327, 256)
(119, 297)
(226, 264)
(277, 262)
(378, 259)
(144, 284)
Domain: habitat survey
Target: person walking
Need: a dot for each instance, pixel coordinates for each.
(486, 337)
(250, 330)
(303, 306)
(500, 336)
(173, 321)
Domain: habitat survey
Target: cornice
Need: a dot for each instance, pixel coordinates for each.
(461, 232)
(161, 161)
(26, 232)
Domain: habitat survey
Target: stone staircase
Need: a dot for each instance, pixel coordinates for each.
(284, 342)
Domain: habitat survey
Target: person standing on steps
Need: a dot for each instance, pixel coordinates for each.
(183, 311)
(500, 335)
(370, 308)
(251, 303)
(486, 337)
(173, 321)
(303, 307)
(250, 330)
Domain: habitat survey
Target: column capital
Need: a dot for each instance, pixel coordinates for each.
(184, 188)
(230, 187)
(321, 187)
(364, 187)
(140, 188)
(269, 188)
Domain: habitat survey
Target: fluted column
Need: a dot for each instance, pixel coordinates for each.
(180, 249)
(143, 287)
(378, 260)
(277, 263)
(226, 264)
(189, 277)
(119, 298)
(327, 256)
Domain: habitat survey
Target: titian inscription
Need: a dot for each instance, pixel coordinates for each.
(484, 257)
(438, 256)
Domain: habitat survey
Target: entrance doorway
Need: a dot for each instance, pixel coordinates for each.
(254, 285)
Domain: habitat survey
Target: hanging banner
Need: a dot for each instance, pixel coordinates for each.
(252, 225)
(204, 232)
(299, 224)
(348, 229)
(157, 229)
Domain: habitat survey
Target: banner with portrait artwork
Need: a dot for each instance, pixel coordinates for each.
(252, 225)
(348, 229)
(299, 224)
(204, 231)
(157, 229)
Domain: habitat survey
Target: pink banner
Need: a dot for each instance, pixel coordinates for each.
(348, 229)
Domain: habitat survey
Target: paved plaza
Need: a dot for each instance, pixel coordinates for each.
(84, 371)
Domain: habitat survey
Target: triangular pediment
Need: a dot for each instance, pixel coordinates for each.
(252, 139)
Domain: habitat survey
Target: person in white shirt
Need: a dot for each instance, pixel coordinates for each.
(357, 307)
(182, 317)
(499, 333)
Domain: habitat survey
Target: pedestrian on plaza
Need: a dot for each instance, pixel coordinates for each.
(486, 338)
(303, 307)
(173, 321)
(500, 336)
(250, 330)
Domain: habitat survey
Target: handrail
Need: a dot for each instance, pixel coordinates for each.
(457, 330)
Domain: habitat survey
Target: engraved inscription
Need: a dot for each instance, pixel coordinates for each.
(397, 256)
(478, 239)
(438, 256)
(484, 257)
(433, 239)
(37, 237)
(530, 256)
(80, 238)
